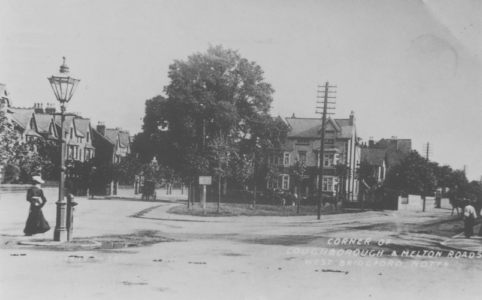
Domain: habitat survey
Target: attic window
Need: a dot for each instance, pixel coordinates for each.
(302, 141)
(329, 136)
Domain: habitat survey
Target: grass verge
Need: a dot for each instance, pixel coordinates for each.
(235, 209)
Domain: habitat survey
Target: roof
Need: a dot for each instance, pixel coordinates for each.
(112, 135)
(404, 145)
(346, 128)
(67, 122)
(43, 122)
(22, 116)
(124, 138)
(310, 127)
(373, 156)
(82, 125)
(303, 127)
(30, 132)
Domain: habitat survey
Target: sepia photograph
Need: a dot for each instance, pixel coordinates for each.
(244, 150)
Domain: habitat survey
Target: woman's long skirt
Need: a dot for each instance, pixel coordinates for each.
(36, 222)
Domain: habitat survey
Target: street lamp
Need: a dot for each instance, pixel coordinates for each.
(64, 87)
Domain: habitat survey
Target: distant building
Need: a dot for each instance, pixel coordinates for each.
(112, 144)
(385, 154)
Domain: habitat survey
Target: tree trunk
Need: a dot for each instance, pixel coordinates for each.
(225, 188)
(255, 185)
(298, 200)
(219, 193)
(189, 195)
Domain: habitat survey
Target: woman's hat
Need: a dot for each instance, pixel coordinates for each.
(38, 179)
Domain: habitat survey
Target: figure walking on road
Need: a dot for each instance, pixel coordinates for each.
(469, 219)
(36, 222)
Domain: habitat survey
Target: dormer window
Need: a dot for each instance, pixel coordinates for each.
(302, 141)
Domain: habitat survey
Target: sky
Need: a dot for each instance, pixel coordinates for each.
(410, 69)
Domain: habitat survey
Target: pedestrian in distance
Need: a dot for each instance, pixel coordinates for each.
(469, 219)
(36, 222)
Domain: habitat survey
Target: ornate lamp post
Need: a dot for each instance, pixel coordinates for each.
(64, 87)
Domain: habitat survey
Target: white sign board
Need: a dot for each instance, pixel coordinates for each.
(205, 180)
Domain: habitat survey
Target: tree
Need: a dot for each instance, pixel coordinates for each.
(128, 168)
(412, 176)
(272, 175)
(10, 141)
(298, 172)
(342, 172)
(211, 95)
(220, 152)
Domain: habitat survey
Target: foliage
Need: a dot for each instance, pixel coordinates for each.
(10, 141)
(365, 173)
(412, 176)
(11, 173)
(273, 173)
(127, 169)
(218, 104)
(298, 171)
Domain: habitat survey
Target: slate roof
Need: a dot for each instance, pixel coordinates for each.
(67, 122)
(111, 135)
(346, 128)
(30, 132)
(373, 156)
(404, 145)
(310, 127)
(22, 116)
(43, 122)
(82, 125)
(124, 138)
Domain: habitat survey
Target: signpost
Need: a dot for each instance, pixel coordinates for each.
(204, 180)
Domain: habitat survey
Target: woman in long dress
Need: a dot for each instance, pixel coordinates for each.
(36, 222)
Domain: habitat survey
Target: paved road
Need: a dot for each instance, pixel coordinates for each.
(233, 258)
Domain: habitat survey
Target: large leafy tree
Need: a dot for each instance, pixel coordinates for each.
(212, 95)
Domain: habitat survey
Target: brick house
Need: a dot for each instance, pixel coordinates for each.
(303, 143)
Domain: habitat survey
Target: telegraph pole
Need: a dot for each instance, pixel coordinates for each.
(326, 92)
(427, 150)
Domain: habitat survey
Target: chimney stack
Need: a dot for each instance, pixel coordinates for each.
(394, 142)
(50, 109)
(371, 142)
(352, 118)
(38, 108)
(101, 128)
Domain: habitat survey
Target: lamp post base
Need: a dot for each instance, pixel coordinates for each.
(60, 232)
